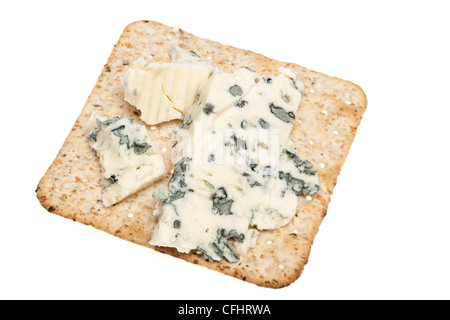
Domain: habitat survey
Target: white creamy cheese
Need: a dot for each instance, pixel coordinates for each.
(162, 91)
(219, 198)
(128, 158)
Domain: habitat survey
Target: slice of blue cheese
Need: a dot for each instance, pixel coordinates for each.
(128, 158)
(212, 203)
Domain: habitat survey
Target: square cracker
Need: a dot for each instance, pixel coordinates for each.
(326, 123)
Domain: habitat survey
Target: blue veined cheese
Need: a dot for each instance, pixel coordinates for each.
(128, 158)
(270, 104)
(286, 180)
(250, 238)
(215, 206)
(196, 214)
(220, 93)
(243, 103)
(162, 91)
(298, 175)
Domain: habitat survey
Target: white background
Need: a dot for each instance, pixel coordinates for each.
(387, 232)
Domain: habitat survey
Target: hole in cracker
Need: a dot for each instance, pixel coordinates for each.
(309, 198)
(269, 242)
(311, 142)
(130, 215)
(324, 111)
(335, 132)
(322, 165)
(153, 128)
(312, 91)
(281, 266)
(348, 102)
(209, 57)
(163, 149)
